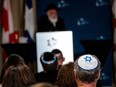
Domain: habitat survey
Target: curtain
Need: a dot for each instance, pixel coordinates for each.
(18, 10)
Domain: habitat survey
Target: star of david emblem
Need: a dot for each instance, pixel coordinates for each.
(88, 59)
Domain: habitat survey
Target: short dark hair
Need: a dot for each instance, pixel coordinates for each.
(13, 59)
(48, 61)
(87, 76)
(57, 51)
(18, 75)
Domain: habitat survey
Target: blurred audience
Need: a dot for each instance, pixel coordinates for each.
(59, 56)
(18, 75)
(13, 59)
(49, 63)
(65, 77)
(87, 71)
(43, 85)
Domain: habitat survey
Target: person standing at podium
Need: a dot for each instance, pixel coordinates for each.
(51, 21)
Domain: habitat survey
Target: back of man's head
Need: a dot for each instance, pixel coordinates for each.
(57, 51)
(48, 61)
(14, 59)
(87, 69)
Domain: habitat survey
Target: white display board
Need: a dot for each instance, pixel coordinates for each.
(47, 41)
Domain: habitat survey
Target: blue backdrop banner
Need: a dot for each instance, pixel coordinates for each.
(89, 20)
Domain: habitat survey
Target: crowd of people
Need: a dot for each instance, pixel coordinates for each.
(84, 72)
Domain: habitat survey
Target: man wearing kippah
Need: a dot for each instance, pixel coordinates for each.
(87, 71)
(49, 64)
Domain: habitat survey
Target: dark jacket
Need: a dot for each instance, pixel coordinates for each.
(45, 25)
(49, 77)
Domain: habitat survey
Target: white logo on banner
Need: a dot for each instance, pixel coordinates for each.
(100, 3)
(81, 22)
(62, 4)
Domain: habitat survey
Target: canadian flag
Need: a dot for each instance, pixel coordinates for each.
(8, 33)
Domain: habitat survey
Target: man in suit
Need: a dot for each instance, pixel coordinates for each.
(51, 21)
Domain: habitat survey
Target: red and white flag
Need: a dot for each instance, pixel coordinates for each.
(8, 34)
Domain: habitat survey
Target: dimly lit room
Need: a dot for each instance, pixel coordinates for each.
(57, 43)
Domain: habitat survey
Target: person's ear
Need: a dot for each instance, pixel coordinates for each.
(98, 75)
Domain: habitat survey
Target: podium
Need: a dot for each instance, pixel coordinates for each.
(100, 48)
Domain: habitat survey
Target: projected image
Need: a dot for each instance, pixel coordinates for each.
(51, 41)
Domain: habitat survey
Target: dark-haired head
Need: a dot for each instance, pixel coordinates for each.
(48, 61)
(56, 51)
(13, 59)
(18, 75)
(59, 56)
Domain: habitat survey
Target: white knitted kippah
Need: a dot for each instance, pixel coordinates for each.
(87, 62)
